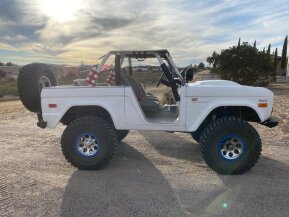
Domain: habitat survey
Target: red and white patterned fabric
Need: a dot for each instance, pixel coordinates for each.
(111, 78)
(93, 74)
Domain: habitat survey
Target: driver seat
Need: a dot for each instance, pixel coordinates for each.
(149, 103)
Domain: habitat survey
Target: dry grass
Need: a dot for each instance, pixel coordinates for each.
(281, 105)
(8, 87)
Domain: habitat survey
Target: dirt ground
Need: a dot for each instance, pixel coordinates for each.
(154, 174)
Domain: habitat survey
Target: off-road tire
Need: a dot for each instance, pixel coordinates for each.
(121, 134)
(197, 134)
(106, 137)
(212, 136)
(28, 84)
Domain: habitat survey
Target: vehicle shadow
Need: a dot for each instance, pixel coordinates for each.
(129, 186)
(172, 145)
(262, 191)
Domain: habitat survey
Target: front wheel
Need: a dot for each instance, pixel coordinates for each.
(89, 143)
(230, 145)
(121, 134)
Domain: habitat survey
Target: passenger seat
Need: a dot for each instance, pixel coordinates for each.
(149, 103)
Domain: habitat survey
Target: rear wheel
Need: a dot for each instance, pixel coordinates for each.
(230, 145)
(32, 78)
(89, 143)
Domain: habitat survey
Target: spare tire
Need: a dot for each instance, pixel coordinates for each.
(31, 79)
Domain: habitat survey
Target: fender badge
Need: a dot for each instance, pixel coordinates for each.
(195, 99)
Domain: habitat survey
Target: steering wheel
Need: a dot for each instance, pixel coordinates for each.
(161, 78)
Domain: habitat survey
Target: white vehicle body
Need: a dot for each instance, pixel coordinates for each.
(100, 116)
(197, 101)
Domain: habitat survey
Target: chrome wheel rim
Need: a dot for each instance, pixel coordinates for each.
(87, 145)
(231, 147)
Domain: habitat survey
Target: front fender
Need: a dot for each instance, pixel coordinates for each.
(205, 110)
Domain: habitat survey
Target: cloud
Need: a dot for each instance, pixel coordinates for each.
(191, 30)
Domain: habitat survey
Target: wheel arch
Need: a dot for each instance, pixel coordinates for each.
(244, 112)
(78, 111)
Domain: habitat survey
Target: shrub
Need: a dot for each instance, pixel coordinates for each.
(8, 87)
(243, 64)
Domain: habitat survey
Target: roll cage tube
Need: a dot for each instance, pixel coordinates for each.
(175, 68)
(169, 77)
(103, 61)
(117, 69)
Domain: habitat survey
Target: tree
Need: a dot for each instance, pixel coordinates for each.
(239, 42)
(244, 64)
(201, 66)
(9, 64)
(1, 64)
(255, 43)
(269, 49)
(211, 59)
(275, 62)
(284, 56)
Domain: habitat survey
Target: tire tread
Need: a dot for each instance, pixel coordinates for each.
(80, 123)
(207, 133)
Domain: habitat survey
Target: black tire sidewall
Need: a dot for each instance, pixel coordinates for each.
(121, 134)
(216, 132)
(28, 84)
(106, 143)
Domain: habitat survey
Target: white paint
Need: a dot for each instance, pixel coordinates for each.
(197, 101)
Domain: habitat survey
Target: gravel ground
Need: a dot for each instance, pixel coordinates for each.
(154, 174)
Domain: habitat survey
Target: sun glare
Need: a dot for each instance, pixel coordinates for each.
(61, 10)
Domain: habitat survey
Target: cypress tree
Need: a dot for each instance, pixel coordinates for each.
(239, 42)
(269, 49)
(284, 56)
(255, 44)
(275, 59)
(275, 63)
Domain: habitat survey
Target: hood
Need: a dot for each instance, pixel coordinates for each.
(215, 83)
(223, 88)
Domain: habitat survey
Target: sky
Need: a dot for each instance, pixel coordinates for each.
(75, 31)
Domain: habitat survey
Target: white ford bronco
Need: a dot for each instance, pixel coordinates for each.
(216, 113)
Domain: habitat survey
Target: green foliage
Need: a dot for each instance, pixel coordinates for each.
(269, 49)
(243, 64)
(8, 87)
(284, 54)
(275, 60)
(239, 42)
(201, 66)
